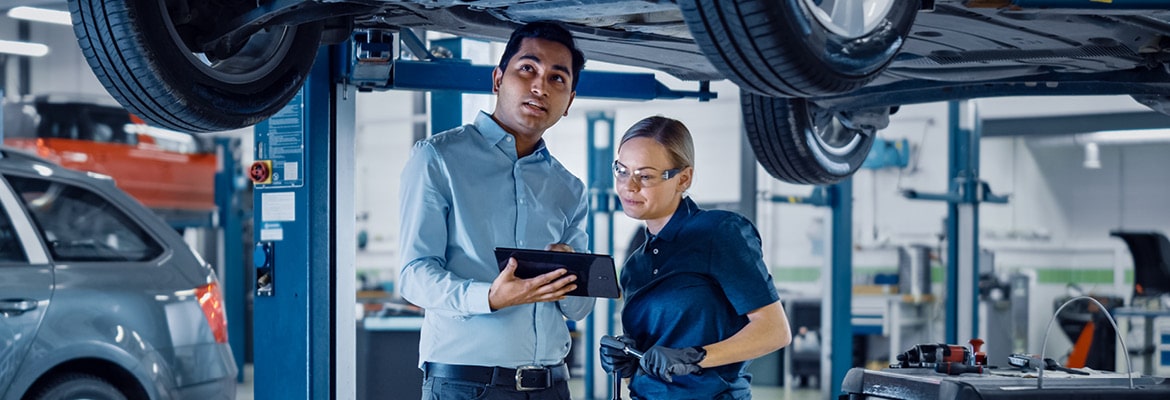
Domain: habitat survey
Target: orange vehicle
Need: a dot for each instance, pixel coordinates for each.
(171, 172)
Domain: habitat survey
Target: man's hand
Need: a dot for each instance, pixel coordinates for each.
(665, 363)
(561, 247)
(508, 290)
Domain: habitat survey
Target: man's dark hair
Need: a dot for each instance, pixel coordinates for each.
(546, 30)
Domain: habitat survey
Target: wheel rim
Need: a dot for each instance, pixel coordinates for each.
(850, 18)
(831, 136)
(259, 57)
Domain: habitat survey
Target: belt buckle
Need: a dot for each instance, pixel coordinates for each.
(525, 368)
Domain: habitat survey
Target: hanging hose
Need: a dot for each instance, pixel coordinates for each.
(1044, 344)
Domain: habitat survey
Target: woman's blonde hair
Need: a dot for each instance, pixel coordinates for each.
(668, 132)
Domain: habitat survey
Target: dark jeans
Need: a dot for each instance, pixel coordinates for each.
(453, 389)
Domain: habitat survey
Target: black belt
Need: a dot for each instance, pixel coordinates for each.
(524, 378)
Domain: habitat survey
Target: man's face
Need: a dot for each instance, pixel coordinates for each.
(536, 89)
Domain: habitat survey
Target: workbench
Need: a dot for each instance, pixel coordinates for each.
(894, 316)
(922, 384)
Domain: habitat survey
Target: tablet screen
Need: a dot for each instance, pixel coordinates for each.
(596, 275)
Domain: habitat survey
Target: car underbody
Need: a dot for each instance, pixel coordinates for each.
(851, 61)
(950, 43)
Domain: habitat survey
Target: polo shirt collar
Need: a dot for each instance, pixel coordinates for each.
(686, 209)
(493, 133)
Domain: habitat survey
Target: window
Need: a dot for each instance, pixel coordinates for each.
(79, 225)
(10, 248)
(58, 123)
(109, 125)
(20, 120)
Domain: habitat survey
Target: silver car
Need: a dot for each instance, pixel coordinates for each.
(99, 298)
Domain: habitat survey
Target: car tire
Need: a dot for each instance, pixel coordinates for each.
(796, 141)
(79, 386)
(134, 50)
(785, 50)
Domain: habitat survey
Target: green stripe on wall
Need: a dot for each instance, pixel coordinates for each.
(796, 274)
(1065, 275)
(812, 274)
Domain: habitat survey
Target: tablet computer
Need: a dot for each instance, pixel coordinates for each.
(596, 275)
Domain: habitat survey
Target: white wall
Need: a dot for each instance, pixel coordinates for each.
(63, 70)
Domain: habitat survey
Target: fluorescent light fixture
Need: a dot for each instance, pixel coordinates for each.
(40, 15)
(1092, 156)
(23, 48)
(1126, 137)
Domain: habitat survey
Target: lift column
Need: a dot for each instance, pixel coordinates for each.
(837, 309)
(962, 300)
(304, 343)
(963, 196)
(840, 307)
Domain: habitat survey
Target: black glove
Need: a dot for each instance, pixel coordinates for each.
(665, 363)
(613, 359)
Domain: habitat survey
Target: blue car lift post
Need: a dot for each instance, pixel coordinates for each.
(231, 256)
(304, 325)
(839, 198)
(963, 196)
(603, 202)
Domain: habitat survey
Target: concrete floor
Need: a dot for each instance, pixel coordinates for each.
(576, 386)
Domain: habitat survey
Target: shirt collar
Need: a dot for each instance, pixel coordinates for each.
(686, 209)
(493, 133)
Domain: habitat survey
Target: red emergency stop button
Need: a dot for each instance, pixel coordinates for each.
(261, 172)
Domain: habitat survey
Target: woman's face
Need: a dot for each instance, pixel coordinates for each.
(647, 182)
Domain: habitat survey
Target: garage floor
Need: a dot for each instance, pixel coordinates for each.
(244, 390)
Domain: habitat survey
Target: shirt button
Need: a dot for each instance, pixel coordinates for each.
(655, 251)
(509, 138)
(656, 271)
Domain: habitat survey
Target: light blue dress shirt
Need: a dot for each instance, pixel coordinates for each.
(464, 193)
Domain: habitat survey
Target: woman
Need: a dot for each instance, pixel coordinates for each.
(699, 301)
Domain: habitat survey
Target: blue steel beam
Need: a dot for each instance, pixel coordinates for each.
(958, 160)
(447, 104)
(235, 276)
(965, 193)
(963, 224)
(304, 327)
(841, 284)
(375, 67)
(819, 197)
(839, 199)
(600, 153)
(469, 78)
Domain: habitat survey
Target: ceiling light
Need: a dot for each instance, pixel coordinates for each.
(1126, 137)
(40, 15)
(1092, 156)
(23, 48)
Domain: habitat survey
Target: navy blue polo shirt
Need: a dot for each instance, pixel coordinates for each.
(693, 285)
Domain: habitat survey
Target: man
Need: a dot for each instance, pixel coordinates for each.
(493, 183)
